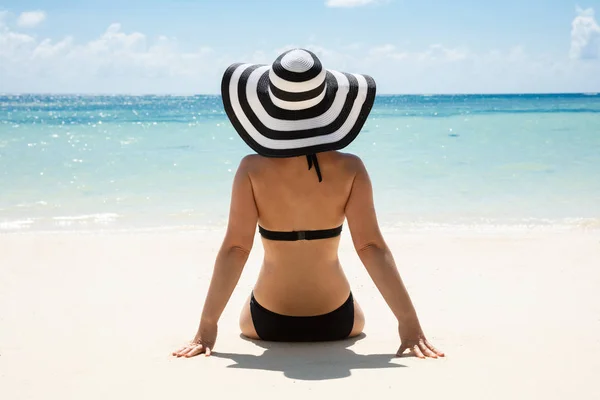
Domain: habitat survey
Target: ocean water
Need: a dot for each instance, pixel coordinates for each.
(147, 162)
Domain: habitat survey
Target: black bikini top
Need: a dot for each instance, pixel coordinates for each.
(300, 235)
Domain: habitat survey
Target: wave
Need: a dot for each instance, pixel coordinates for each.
(70, 221)
(109, 223)
(105, 218)
(16, 225)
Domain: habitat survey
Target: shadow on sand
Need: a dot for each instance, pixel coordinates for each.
(310, 361)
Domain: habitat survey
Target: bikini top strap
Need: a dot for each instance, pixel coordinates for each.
(312, 159)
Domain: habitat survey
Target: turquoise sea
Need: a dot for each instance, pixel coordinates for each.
(140, 162)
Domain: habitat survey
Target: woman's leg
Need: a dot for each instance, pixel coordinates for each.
(246, 323)
(359, 321)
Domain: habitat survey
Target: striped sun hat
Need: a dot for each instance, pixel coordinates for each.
(295, 106)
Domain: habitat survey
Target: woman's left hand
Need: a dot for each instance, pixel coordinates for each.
(203, 343)
(192, 349)
(413, 339)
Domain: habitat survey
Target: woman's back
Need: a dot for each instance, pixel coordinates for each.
(301, 277)
(290, 197)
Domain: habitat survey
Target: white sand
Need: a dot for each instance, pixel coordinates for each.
(96, 316)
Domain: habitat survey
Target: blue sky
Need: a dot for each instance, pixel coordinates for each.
(183, 46)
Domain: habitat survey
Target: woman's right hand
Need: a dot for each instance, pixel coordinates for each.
(412, 338)
(203, 343)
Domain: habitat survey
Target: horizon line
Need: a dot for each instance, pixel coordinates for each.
(591, 93)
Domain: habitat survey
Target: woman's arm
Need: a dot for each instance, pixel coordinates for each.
(236, 245)
(230, 261)
(379, 263)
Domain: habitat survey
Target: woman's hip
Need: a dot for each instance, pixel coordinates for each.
(334, 325)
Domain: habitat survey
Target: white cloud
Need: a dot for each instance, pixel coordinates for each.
(46, 50)
(113, 40)
(435, 52)
(585, 35)
(441, 69)
(446, 69)
(31, 19)
(349, 3)
(439, 52)
(115, 62)
(121, 61)
(387, 51)
(13, 43)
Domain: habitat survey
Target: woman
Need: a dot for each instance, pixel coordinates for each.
(288, 112)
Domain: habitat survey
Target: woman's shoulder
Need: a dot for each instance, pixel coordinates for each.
(351, 162)
(349, 157)
(250, 161)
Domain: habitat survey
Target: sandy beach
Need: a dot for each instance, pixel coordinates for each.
(96, 316)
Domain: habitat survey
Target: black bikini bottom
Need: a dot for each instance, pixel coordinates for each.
(270, 326)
